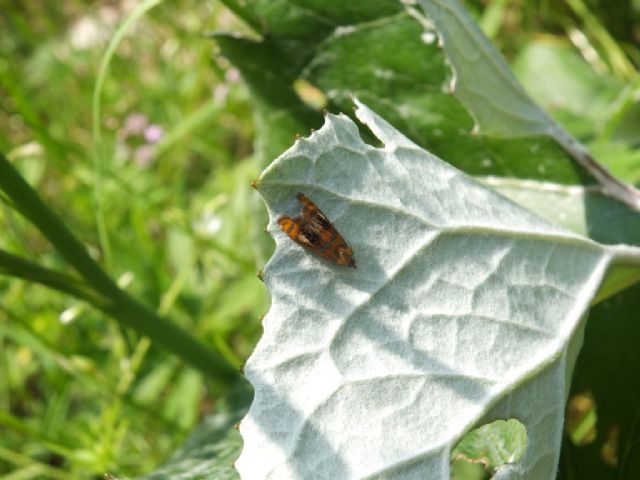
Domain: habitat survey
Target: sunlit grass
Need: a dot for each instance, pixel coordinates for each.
(80, 396)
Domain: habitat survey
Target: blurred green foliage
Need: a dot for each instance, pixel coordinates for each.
(80, 396)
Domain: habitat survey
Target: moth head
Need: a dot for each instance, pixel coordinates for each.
(345, 256)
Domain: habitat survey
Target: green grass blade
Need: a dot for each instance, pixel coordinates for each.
(21, 268)
(99, 154)
(126, 310)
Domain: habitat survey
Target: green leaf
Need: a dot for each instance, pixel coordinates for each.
(607, 369)
(622, 159)
(280, 114)
(492, 445)
(404, 77)
(383, 54)
(213, 446)
(482, 80)
(487, 87)
(562, 82)
(465, 308)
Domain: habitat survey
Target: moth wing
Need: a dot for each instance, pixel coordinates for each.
(309, 235)
(320, 221)
(309, 209)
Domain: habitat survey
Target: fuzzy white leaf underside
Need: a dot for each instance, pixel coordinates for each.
(464, 308)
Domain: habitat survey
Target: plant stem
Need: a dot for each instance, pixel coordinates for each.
(611, 186)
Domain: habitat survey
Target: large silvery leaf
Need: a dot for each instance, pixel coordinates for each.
(464, 308)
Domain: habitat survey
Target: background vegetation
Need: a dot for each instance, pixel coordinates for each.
(171, 214)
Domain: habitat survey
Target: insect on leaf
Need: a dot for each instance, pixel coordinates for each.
(313, 230)
(465, 308)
